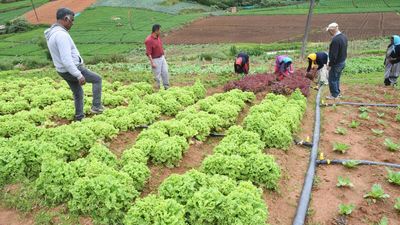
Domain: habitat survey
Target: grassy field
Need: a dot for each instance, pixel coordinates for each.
(9, 11)
(330, 6)
(99, 31)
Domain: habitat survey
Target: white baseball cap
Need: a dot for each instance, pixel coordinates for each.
(332, 26)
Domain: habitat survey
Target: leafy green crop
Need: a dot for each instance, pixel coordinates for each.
(383, 221)
(346, 209)
(377, 131)
(169, 151)
(155, 210)
(276, 118)
(397, 204)
(341, 131)
(364, 116)
(344, 182)
(376, 192)
(215, 199)
(258, 168)
(390, 145)
(397, 118)
(55, 181)
(104, 194)
(351, 163)
(393, 177)
(354, 124)
(240, 142)
(340, 147)
(380, 115)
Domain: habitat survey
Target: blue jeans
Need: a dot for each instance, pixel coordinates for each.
(334, 78)
(77, 90)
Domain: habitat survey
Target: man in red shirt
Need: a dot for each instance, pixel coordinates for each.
(155, 53)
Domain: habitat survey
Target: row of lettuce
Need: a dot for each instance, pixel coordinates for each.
(222, 191)
(68, 164)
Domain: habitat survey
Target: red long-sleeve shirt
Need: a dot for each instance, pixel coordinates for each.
(154, 47)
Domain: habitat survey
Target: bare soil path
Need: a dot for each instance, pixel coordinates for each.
(47, 12)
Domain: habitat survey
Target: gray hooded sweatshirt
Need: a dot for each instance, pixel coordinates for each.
(65, 55)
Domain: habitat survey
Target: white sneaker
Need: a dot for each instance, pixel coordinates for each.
(330, 97)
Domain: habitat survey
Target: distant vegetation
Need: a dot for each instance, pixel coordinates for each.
(257, 3)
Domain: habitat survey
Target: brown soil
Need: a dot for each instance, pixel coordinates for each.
(123, 141)
(326, 197)
(267, 29)
(47, 12)
(192, 159)
(12, 217)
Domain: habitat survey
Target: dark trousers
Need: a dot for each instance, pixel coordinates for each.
(77, 90)
(334, 78)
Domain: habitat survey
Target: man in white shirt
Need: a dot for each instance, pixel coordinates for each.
(69, 63)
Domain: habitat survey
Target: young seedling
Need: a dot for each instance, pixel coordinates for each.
(364, 109)
(393, 177)
(376, 193)
(354, 124)
(397, 118)
(340, 147)
(380, 115)
(383, 221)
(351, 164)
(346, 209)
(364, 116)
(390, 145)
(397, 204)
(344, 182)
(341, 131)
(377, 132)
(382, 122)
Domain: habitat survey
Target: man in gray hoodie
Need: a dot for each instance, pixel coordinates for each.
(69, 63)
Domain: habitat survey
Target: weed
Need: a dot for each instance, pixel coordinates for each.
(393, 177)
(354, 124)
(341, 131)
(377, 132)
(364, 116)
(390, 145)
(351, 164)
(316, 181)
(344, 182)
(346, 209)
(340, 147)
(376, 192)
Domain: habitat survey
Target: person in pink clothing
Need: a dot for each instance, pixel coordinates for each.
(283, 66)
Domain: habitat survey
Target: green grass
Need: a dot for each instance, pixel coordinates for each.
(122, 25)
(9, 11)
(329, 6)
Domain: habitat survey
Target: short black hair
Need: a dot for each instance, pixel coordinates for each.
(63, 12)
(156, 27)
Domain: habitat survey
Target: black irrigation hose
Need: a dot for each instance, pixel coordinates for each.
(217, 135)
(304, 143)
(361, 104)
(360, 162)
(302, 208)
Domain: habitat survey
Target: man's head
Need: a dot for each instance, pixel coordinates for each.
(156, 29)
(332, 29)
(65, 17)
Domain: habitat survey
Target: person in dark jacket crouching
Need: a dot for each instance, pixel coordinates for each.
(242, 63)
